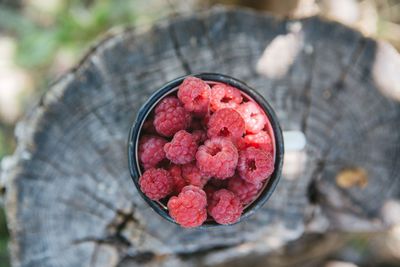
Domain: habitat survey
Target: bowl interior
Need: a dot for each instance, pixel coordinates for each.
(211, 78)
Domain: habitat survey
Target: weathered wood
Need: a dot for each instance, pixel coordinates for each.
(70, 200)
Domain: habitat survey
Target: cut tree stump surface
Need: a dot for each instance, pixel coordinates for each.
(71, 202)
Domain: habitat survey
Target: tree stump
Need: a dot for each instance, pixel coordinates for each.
(71, 202)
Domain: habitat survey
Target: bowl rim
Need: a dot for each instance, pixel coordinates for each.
(165, 89)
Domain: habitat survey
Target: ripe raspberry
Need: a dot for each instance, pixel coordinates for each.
(260, 140)
(214, 185)
(193, 175)
(170, 117)
(156, 183)
(218, 157)
(253, 116)
(167, 103)
(255, 165)
(225, 207)
(205, 120)
(182, 148)
(176, 174)
(224, 96)
(200, 136)
(227, 123)
(194, 93)
(189, 208)
(151, 151)
(245, 191)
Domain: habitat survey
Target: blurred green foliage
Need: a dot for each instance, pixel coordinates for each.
(2, 145)
(6, 141)
(73, 25)
(4, 259)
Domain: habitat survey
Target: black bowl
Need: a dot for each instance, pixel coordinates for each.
(171, 87)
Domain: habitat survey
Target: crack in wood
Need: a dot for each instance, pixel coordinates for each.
(98, 199)
(100, 65)
(209, 42)
(115, 238)
(339, 84)
(142, 257)
(185, 64)
(307, 94)
(312, 189)
(93, 259)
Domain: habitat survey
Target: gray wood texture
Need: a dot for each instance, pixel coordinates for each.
(70, 200)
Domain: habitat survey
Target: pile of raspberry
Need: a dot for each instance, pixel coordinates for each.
(205, 152)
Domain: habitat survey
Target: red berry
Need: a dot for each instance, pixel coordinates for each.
(255, 165)
(205, 120)
(200, 136)
(151, 151)
(218, 157)
(167, 103)
(176, 174)
(156, 183)
(253, 116)
(195, 95)
(225, 207)
(170, 117)
(189, 208)
(193, 175)
(227, 123)
(260, 140)
(182, 148)
(245, 191)
(224, 96)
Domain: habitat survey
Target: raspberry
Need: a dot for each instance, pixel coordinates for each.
(225, 207)
(218, 157)
(156, 183)
(260, 140)
(253, 116)
(245, 191)
(226, 122)
(255, 165)
(189, 208)
(194, 93)
(200, 136)
(214, 185)
(176, 174)
(151, 151)
(182, 148)
(193, 175)
(170, 117)
(205, 120)
(224, 96)
(167, 103)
